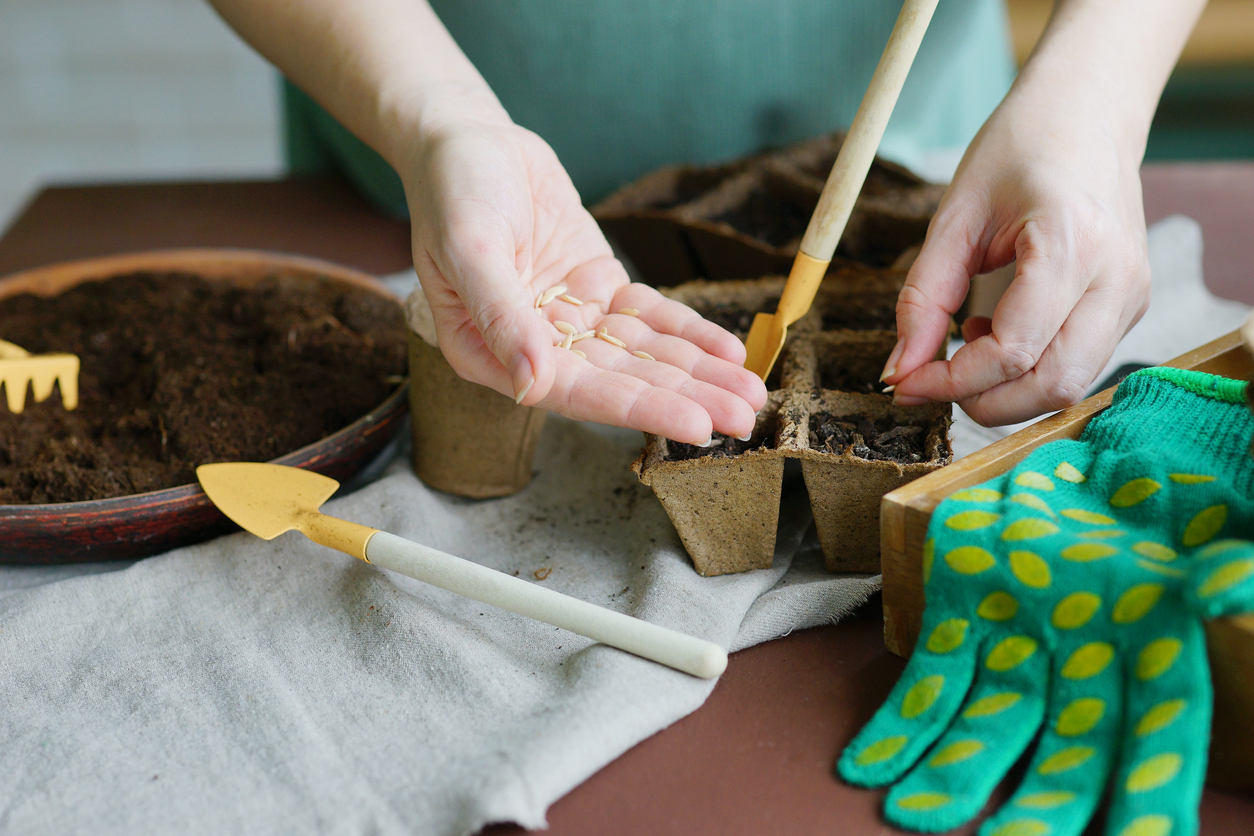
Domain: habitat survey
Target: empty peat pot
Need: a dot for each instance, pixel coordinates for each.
(469, 440)
(142, 524)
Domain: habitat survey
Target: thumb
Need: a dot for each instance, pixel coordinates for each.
(501, 308)
(934, 290)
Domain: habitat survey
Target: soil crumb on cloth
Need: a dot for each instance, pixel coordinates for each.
(178, 371)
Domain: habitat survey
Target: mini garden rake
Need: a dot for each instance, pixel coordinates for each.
(18, 367)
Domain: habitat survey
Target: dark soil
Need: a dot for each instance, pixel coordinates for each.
(178, 371)
(861, 312)
(721, 447)
(877, 440)
(768, 216)
(734, 318)
(860, 374)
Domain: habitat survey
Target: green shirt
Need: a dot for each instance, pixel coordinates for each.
(621, 88)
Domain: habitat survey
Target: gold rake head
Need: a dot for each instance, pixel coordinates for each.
(19, 368)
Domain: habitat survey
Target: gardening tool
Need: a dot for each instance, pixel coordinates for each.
(269, 499)
(18, 367)
(827, 224)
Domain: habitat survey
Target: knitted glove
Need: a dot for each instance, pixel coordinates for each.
(1066, 598)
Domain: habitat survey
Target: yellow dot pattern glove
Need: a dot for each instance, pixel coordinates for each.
(1065, 605)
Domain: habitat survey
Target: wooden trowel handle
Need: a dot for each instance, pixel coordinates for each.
(651, 641)
(853, 162)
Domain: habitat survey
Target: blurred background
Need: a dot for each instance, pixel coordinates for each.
(162, 89)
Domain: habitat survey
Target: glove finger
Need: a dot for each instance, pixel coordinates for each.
(918, 710)
(1158, 784)
(998, 721)
(1222, 579)
(1073, 758)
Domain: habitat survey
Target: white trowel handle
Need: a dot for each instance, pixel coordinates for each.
(673, 649)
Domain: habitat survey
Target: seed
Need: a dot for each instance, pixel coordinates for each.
(580, 353)
(566, 342)
(551, 294)
(644, 355)
(611, 340)
(565, 327)
(888, 390)
(628, 311)
(602, 331)
(566, 297)
(585, 335)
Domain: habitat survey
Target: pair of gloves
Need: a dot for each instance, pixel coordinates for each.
(1065, 602)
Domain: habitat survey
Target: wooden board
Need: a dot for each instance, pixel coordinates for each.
(906, 512)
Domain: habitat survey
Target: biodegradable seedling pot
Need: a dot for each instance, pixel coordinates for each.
(847, 484)
(469, 440)
(725, 507)
(745, 218)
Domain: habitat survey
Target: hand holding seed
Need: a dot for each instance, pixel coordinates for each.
(528, 299)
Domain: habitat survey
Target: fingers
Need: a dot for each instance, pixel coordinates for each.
(488, 284)
(666, 316)
(935, 288)
(1158, 784)
(1057, 379)
(1064, 372)
(1026, 320)
(641, 333)
(585, 392)
(1072, 761)
(997, 722)
(728, 412)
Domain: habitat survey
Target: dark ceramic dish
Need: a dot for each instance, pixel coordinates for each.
(128, 527)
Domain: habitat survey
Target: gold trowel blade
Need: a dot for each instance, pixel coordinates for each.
(766, 338)
(265, 499)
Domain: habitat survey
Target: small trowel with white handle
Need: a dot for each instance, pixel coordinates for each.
(269, 499)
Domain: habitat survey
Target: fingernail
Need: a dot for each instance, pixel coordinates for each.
(522, 376)
(909, 400)
(890, 389)
(744, 437)
(890, 368)
(707, 443)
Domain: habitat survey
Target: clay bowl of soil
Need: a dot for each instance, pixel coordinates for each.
(188, 357)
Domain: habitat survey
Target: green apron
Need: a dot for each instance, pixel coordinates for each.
(621, 88)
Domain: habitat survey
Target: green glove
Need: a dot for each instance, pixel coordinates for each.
(1065, 598)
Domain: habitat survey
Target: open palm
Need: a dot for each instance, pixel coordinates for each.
(498, 228)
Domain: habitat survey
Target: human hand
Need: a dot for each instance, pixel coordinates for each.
(1069, 594)
(496, 224)
(1050, 185)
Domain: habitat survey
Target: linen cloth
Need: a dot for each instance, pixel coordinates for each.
(246, 686)
(240, 686)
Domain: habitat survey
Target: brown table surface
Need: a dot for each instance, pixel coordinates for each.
(757, 757)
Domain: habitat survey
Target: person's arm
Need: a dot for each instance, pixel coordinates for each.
(496, 222)
(1051, 182)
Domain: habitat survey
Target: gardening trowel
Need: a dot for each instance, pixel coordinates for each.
(269, 499)
(827, 224)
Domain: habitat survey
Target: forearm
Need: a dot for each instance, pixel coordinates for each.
(387, 69)
(1108, 57)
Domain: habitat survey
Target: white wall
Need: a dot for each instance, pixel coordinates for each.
(109, 90)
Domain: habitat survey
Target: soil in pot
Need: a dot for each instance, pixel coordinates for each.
(178, 371)
(769, 216)
(879, 439)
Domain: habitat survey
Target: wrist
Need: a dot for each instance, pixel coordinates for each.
(414, 119)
